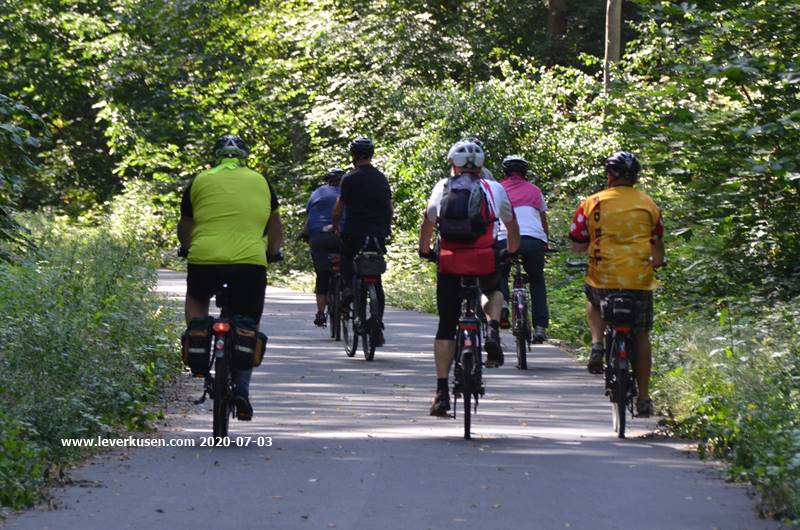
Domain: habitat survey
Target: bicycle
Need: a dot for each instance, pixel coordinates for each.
(356, 325)
(333, 308)
(224, 345)
(618, 310)
(467, 363)
(520, 319)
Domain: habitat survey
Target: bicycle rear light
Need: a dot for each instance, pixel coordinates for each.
(222, 327)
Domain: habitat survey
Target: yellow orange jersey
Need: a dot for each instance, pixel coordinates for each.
(620, 224)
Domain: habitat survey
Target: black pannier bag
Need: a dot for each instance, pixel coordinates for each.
(618, 309)
(249, 344)
(370, 264)
(196, 345)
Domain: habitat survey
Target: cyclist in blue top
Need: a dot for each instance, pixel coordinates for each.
(321, 236)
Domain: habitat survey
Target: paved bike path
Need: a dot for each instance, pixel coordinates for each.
(354, 448)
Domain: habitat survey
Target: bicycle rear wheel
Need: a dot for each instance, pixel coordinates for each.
(221, 405)
(523, 332)
(349, 335)
(618, 415)
(334, 310)
(371, 324)
(467, 363)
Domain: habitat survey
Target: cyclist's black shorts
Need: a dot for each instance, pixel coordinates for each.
(246, 286)
(322, 245)
(644, 304)
(448, 302)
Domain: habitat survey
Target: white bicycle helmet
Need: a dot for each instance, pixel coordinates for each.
(466, 154)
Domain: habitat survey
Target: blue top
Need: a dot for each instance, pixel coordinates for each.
(320, 208)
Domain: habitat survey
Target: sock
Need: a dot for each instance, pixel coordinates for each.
(441, 384)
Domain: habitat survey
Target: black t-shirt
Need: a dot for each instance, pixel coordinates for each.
(186, 200)
(367, 199)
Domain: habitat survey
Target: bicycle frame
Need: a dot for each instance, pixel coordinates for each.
(467, 371)
(521, 327)
(220, 385)
(334, 298)
(620, 380)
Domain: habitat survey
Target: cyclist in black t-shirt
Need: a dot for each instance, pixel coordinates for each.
(366, 200)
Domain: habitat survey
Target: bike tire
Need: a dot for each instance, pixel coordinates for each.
(335, 311)
(523, 331)
(370, 325)
(221, 405)
(467, 361)
(349, 336)
(619, 408)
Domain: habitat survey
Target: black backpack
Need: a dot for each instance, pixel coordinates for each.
(463, 212)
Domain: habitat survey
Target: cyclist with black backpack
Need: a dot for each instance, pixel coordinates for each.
(465, 208)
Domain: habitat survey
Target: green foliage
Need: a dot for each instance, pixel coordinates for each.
(21, 464)
(85, 334)
(18, 128)
(736, 387)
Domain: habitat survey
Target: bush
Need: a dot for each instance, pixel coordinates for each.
(85, 344)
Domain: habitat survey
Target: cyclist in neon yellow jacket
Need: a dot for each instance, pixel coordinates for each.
(230, 224)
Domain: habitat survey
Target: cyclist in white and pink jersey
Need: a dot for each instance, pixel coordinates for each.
(530, 210)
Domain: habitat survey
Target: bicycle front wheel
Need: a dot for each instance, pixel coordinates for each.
(221, 406)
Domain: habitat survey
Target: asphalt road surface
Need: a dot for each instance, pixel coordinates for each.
(353, 447)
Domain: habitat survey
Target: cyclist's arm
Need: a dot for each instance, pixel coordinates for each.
(513, 234)
(579, 248)
(505, 211)
(186, 222)
(338, 208)
(274, 233)
(657, 244)
(545, 227)
(185, 228)
(425, 234)
(579, 232)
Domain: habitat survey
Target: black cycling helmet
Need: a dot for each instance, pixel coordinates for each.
(230, 146)
(515, 163)
(624, 165)
(362, 147)
(334, 173)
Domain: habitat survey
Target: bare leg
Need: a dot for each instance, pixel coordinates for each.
(443, 352)
(493, 305)
(195, 308)
(597, 325)
(644, 362)
(322, 300)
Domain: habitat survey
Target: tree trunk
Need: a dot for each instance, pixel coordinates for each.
(557, 18)
(613, 28)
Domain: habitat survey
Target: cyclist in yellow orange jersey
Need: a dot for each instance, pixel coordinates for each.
(621, 230)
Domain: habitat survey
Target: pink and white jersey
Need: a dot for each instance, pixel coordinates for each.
(528, 202)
